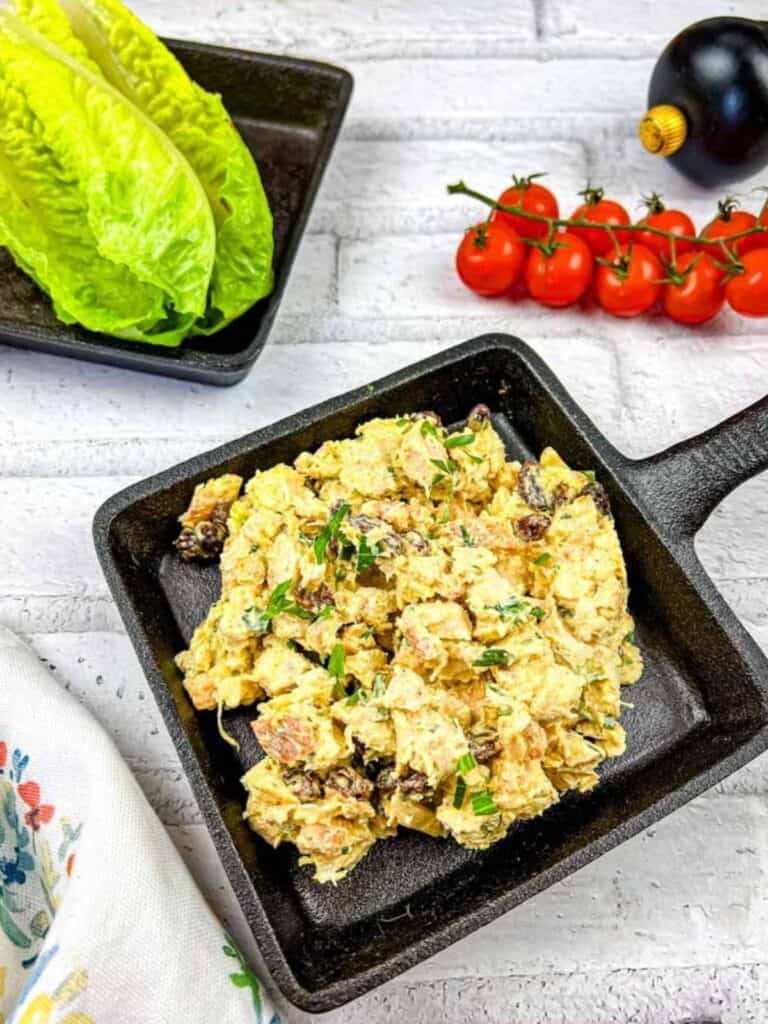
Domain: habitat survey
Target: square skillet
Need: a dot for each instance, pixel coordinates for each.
(289, 113)
(700, 709)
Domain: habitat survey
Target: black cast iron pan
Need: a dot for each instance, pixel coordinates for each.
(701, 708)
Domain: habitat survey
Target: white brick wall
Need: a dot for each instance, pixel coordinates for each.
(671, 926)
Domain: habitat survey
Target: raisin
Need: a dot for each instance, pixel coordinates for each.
(305, 785)
(533, 527)
(349, 783)
(600, 497)
(529, 488)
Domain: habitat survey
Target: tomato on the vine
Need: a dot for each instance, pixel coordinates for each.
(489, 258)
(532, 197)
(630, 283)
(747, 290)
(677, 222)
(601, 211)
(731, 221)
(695, 290)
(561, 276)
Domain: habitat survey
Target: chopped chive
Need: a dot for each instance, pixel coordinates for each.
(484, 804)
(492, 656)
(329, 532)
(460, 441)
(543, 559)
(460, 793)
(468, 542)
(466, 763)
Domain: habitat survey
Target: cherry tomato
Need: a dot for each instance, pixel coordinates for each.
(532, 197)
(675, 221)
(489, 258)
(632, 282)
(562, 277)
(698, 294)
(601, 211)
(747, 292)
(731, 221)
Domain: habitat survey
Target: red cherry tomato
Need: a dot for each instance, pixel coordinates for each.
(562, 277)
(731, 221)
(532, 197)
(489, 258)
(675, 221)
(632, 282)
(698, 295)
(600, 211)
(747, 292)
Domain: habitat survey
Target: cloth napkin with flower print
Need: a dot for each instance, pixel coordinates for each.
(100, 922)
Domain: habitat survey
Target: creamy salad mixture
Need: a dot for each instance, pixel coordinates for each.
(434, 637)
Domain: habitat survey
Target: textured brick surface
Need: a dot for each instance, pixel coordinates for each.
(673, 926)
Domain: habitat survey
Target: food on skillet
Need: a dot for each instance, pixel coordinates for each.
(126, 191)
(437, 637)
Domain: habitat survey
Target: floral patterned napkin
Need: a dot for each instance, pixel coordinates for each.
(100, 923)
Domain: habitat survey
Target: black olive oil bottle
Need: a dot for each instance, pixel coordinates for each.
(708, 101)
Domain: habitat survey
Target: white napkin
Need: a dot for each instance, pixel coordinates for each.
(100, 922)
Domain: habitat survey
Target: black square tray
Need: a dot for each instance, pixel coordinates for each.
(700, 710)
(289, 112)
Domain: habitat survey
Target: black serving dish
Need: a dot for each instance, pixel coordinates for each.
(289, 112)
(701, 708)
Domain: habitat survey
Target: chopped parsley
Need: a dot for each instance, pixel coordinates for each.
(460, 441)
(543, 559)
(366, 555)
(402, 423)
(446, 466)
(330, 532)
(483, 803)
(335, 667)
(259, 621)
(630, 637)
(492, 656)
(468, 542)
(589, 474)
(326, 611)
(460, 793)
(344, 851)
(517, 609)
(428, 427)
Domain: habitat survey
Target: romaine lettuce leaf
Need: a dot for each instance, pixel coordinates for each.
(145, 206)
(44, 225)
(139, 65)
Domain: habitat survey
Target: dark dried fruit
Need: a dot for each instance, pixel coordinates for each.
(349, 783)
(386, 783)
(484, 745)
(305, 785)
(478, 417)
(389, 541)
(417, 541)
(533, 527)
(529, 488)
(561, 495)
(313, 600)
(415, 785)
(206, 540)
(598, 494)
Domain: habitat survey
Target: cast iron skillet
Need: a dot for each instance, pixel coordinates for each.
(701, 708)
(289, 113)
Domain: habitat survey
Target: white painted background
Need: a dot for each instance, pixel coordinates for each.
(671, 927)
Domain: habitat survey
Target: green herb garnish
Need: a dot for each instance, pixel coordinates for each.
(492, 656)
(475, 458)
(468, 542)
(367, 634)
(589, 474)
(366, 556)
(466, 763)
(437, 479)
(483, 803)
(428, 427)
(630, 637)
(459, 793)
(543, 559)
(460, 441)
(278, 604)
(354, 698)
(446, 466)
(335, 664)
(329, 532)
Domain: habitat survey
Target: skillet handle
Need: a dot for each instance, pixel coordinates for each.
(687, 481)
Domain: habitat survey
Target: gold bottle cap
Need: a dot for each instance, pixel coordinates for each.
(663, 130)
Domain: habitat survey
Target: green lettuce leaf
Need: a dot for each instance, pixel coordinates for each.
(44, 225)
(134, 61)
(145, 206)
